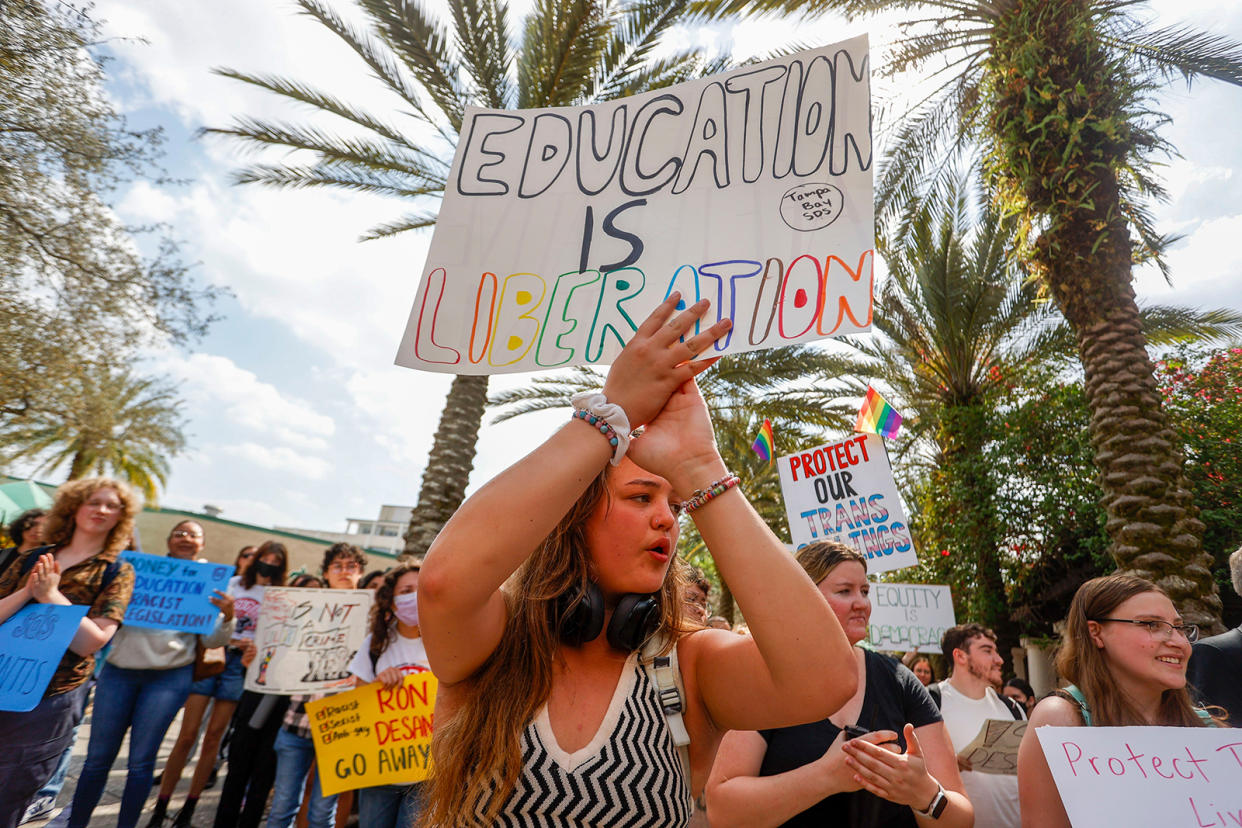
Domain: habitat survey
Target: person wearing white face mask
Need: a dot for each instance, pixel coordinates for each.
(393, 650)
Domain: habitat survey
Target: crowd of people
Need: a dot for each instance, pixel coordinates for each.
(582, 679)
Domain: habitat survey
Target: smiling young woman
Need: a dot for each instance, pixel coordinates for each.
(1124, 652)
(534, 697)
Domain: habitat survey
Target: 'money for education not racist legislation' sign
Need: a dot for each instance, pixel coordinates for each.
(562, 228)
(174, 594)
(844, 491)
(909, 616)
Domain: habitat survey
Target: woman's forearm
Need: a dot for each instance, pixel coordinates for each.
(959, 813)
(10, 604)
(762, 801)
(91, 637)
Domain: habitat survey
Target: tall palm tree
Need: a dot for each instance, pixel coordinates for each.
(568, 52)
(1056, 97)
(113, 421)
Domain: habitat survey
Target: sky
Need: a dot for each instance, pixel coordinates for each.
(296, 415)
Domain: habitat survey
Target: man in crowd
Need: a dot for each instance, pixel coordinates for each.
(1215, 670)
(968, 698)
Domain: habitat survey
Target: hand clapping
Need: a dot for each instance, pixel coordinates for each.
(44, 582)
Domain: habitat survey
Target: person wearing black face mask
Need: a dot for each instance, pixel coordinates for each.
(271, 561)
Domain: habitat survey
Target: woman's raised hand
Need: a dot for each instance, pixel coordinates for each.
(44, 580)
(655, 362)
(679, 444)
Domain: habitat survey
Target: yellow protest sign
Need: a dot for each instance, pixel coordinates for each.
(372, 736)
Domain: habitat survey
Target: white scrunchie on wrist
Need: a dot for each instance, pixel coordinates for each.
(597, 405)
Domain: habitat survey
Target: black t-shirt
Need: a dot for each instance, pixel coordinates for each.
(894, 696)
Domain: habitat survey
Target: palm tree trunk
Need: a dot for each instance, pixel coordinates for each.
(1063, 116)
(448, 465)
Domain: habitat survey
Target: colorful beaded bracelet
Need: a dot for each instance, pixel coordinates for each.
(701, 496)
(600, 423)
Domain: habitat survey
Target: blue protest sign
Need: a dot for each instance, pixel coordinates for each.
(31, 644)
(172, 594)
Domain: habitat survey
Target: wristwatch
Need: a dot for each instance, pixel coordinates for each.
(937, 806)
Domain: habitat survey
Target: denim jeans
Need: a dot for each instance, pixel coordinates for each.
(147, 701)
(31, 744)
(294, 756)
(389, 806)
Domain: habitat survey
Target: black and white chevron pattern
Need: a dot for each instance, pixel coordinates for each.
(635, 781)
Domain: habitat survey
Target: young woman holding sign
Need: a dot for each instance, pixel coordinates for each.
(1124, 651)
(88, 527)
(896, 768)
(393, 650)
(535, 697)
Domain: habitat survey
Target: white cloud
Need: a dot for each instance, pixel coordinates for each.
(278, 458)
(216, 385)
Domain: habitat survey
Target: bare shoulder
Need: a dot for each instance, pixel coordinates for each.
(1057, 712)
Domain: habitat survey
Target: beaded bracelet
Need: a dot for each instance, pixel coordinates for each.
(601, 424)
(702, 496)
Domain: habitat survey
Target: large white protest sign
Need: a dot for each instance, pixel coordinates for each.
(562, 228)
(909, 616)
(845, 491)
(1164, 777)
(306, 638)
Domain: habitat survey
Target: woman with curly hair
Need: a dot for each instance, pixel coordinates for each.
(86, 530)
(1124, 651)
(556, 703)
(392, 650)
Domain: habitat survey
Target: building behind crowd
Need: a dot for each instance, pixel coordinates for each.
(383, 534)
(225, 538)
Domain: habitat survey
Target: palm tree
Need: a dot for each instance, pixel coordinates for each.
(568, 53)
(112, 422)
(1056, 98)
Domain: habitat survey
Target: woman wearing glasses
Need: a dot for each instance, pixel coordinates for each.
(1124, 652)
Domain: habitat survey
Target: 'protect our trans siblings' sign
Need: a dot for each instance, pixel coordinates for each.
(562, 228)
(845, 491)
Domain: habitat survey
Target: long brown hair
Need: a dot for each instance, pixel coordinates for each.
(59, 525)
(251, 574)
(1085, 665)
(383, 614)
(477, 749)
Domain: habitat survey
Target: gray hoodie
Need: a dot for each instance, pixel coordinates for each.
(139, 648)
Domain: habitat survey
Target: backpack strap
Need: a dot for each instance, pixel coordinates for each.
(1076, 696)
(32, 557)
(664, 673)
(1014, 709)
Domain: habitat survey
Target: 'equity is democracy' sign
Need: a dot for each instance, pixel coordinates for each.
(844, 491)
(174, 594)
(562, 228)
(909, 616)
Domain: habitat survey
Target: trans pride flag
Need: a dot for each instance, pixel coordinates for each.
(765, 443)
(877, 416)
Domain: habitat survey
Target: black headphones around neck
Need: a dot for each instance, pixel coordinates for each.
(581, 615)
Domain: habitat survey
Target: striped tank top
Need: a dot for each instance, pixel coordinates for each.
(628, 776)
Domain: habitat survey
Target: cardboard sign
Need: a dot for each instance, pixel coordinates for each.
(32, 642)
(306, 638)
(172, 594)
(372, 736)
(1172, 777)
(908, 617)
(844, 491)
(995, 749)
(561, 229)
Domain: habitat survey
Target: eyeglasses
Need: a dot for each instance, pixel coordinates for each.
(344, 567)
(182, 533)
(1157, 628)
(245, 556)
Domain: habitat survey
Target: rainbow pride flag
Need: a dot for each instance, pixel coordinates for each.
(765, 443)
(877, 416)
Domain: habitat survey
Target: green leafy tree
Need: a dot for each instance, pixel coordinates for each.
(112, 422)
(75, 287)
(1057, 98)
(564, 54)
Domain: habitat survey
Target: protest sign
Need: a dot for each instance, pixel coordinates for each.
(844, 491)
(372, 736)
(306, 638)
(562, 228)
(1160, 776)
(995, 749)
(32, 642)
(909, 616)
(173, 594)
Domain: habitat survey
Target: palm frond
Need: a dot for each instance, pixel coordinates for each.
(562, 45)
(410, 221)
(1183, 51)
(482, 36)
